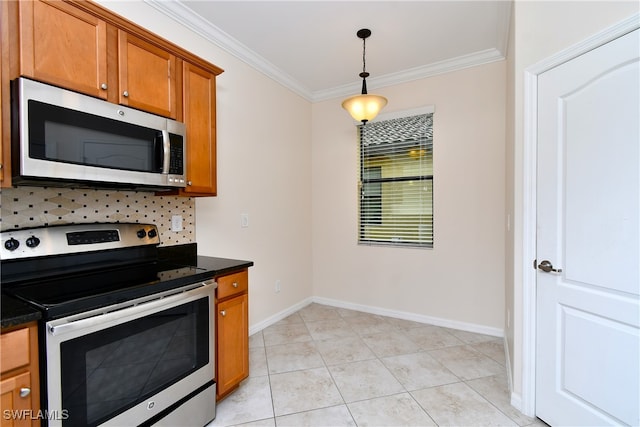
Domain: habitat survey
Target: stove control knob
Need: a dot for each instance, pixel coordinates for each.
(153, 233)
(141, 233)
(11, 244)
(33, 242)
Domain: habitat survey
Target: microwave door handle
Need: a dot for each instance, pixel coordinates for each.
(166, 152)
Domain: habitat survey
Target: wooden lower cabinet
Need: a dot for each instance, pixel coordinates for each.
(16, 408)
(232, 332)
(19, 385)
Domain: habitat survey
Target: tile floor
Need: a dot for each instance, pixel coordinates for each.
(327, 366)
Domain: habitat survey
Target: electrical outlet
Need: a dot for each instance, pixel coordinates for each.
(176, 223)
(278, 286)
(244, 220)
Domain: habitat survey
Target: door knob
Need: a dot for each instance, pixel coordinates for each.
(547, 267)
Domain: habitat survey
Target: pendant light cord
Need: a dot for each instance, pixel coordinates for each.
(364, 73)
(364, 55)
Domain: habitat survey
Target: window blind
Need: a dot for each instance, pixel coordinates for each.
(396, 182)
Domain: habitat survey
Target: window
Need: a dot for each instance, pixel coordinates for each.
(372, 195)
(396, 182)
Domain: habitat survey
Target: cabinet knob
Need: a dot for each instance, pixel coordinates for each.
(25, 391)
(103, 86)
(125, 94)
(189, 183)
(223, 313)
(235, 284)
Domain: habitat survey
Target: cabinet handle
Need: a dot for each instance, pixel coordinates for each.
(125, 94)
(25, 391)
(235, 284)
(103, 86)
(223, 313)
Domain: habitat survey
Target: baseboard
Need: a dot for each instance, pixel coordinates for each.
(505, 344)
(279, 316)
(437, 321)
(516, 399)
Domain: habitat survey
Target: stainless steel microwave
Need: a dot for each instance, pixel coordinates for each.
(60, 137)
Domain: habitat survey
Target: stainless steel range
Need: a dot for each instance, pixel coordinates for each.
(128, 339)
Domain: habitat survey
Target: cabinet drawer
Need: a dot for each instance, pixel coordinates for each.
(232, 284)
(14, 349)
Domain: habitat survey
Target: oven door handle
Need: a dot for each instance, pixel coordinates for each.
(135, 308)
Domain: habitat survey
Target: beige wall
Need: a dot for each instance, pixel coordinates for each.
(462, 278)
(542, 29)
(264, 170)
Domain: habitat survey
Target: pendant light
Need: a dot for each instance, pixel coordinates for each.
(364, 107)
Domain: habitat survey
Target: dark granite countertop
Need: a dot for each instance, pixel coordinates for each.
(16, 312)
(221, 266)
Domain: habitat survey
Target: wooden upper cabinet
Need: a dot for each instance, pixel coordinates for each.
(147, 76)
(199, 104)
(64, 46)
(80, 46)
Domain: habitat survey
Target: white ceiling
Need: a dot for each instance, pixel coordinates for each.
(311, 47)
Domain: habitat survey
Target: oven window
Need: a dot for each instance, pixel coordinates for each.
(107, 372)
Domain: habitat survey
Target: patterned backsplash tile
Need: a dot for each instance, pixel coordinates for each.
(24, 207)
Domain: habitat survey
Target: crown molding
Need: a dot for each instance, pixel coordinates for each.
(441, 67)
(177, 11)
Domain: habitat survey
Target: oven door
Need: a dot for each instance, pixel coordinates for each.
(126, 364)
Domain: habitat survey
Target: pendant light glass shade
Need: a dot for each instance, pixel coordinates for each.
(364, 107)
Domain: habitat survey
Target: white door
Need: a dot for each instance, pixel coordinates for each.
(588, 238)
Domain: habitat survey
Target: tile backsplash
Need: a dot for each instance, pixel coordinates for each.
(24, 207)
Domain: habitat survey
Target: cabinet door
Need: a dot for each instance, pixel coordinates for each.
(233, 343)
(5, 105)
(199, 91)
(147, 76)
(18, 407)
(63, 46)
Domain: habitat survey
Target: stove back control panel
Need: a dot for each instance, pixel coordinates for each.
(74, 238)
